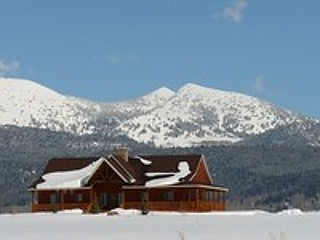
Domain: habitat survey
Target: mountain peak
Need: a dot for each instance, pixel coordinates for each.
(162, 93)
(195, 88)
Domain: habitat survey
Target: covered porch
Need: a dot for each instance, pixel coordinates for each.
(185, 198)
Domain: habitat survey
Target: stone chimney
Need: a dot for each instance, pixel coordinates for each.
(122, 153)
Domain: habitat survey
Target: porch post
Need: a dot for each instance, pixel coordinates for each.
(32, 201)
(123, 205)
(197, 199)
(62, 199)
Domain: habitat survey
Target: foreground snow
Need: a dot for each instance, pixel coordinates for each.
(289, 225)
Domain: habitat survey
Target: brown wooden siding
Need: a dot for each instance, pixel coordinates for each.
(110, 196)
(52, 200)
(181, 206)
(201, 175)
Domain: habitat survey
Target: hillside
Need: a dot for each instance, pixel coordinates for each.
(264, 177)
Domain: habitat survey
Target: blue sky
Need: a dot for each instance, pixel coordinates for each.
(116, 50)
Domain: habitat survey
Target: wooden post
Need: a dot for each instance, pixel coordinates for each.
(32, 201)
(62, 199)
(197, 199)
(123, 200)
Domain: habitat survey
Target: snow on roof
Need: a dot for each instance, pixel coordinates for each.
(144, 161)
(158, 174)
(184, 170)
(69, 179)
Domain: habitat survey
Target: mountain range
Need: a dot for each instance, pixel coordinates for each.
(194, 115)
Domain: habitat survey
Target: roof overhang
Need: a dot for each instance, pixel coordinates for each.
(211, 187)
(57, 189)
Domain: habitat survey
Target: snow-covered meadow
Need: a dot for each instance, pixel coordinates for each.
(251, 225)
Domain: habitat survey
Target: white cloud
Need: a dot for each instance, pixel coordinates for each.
(8, 67)
(119, 58)
(234, 12)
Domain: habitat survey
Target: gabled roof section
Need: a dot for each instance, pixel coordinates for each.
(122, 168)
(202, 173)
(70, 173)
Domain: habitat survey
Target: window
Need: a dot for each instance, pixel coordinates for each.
(208, 196)
(119, 199)
(169, 196)
(103, 200)
(53, 198)
(211, 196)
(112, 200)
(191, 195)
(78, 197)
(215, 196)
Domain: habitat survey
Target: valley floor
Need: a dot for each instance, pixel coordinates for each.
(253, 225)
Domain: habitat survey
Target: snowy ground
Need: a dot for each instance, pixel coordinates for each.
(289, 225)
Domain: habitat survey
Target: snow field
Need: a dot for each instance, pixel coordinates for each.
(291, 225)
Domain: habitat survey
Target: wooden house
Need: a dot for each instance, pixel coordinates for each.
(151, 182)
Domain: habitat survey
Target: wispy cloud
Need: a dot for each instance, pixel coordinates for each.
(120, 58)
(8, 67)
(234, 12)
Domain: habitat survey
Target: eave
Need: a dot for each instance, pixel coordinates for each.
(211, 187)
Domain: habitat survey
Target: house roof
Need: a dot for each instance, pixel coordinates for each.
(141, 170)
(63, 165)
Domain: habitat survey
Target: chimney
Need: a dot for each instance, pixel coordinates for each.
(122, 153)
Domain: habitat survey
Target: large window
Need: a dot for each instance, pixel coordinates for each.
(103, 200)
(114, 200)
(168, 196)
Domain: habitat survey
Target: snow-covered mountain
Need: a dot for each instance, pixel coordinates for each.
(197, 114)
(140, 106)
(191, 116)
(25, 103)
